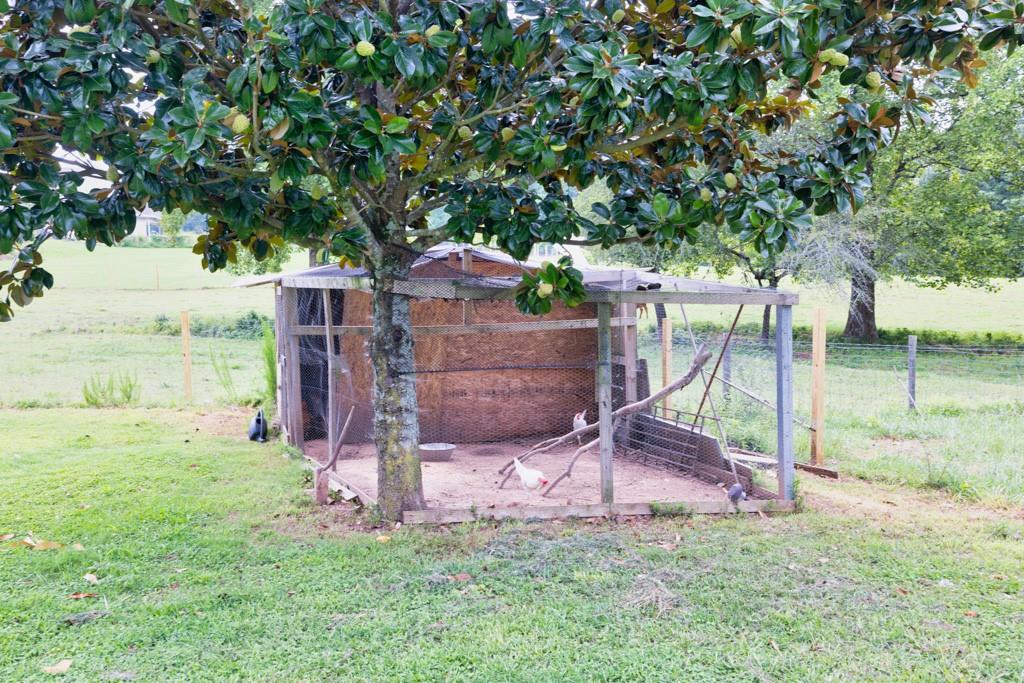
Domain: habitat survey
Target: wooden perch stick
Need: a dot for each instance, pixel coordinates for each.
(702, 357)
(332, 463)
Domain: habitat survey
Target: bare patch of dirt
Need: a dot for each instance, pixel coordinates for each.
(325, 521)
(471, 478)
(229, 422)
(889, 504)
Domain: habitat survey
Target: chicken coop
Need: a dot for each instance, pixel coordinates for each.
(493, 384)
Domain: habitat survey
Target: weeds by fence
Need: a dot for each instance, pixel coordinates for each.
(115, 390)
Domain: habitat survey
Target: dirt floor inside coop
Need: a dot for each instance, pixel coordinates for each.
(471, 479)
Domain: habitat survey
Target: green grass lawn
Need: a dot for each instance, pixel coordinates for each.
(213, 566)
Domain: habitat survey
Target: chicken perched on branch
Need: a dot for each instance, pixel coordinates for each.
(579, 421)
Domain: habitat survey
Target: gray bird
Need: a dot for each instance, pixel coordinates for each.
(736, 493)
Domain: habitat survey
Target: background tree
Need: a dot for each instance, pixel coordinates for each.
(246, 264)
(171, 224)
(489, 110)
(943, 208)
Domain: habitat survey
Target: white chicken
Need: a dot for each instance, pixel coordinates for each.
(532, 480)
(579, 421)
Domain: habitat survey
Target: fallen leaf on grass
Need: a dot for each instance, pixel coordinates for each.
(461, 576)
(47, 545)
(6, 537)
(40, 544)
(91, 579)
(77, 546)
(80, 595)
(384, 538)
(58, 669)
(903, 591)
(970, 614)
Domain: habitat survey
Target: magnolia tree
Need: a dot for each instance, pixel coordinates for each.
(344, 125)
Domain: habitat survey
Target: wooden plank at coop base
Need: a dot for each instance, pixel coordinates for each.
(338, 483)
(540, 512)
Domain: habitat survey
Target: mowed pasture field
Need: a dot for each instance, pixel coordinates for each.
(94, 319)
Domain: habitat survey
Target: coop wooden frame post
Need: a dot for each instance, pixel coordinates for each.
(666, 360)
(280, 336)
(332, 410)
(818, 388)
(293, 366)
(784, 398)
(604, 404)
(628, 333)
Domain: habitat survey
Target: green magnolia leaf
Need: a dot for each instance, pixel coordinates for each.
(397, 124)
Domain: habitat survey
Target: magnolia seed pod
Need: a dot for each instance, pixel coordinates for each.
(239, 124)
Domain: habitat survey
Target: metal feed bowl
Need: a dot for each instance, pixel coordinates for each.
(436, 452)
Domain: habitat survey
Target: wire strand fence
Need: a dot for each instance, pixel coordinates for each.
(863, 382)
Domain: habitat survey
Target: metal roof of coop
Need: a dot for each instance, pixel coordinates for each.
(603, 285)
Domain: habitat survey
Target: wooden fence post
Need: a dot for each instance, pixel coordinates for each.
(186, 354)
(666, 361)
(818, 388)
(604, 403)
(912, 371)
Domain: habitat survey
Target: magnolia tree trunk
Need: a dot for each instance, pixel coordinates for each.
(766, 315)
(396, 431)
(860, 320)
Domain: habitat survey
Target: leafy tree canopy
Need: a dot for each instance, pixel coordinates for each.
(342, 125)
